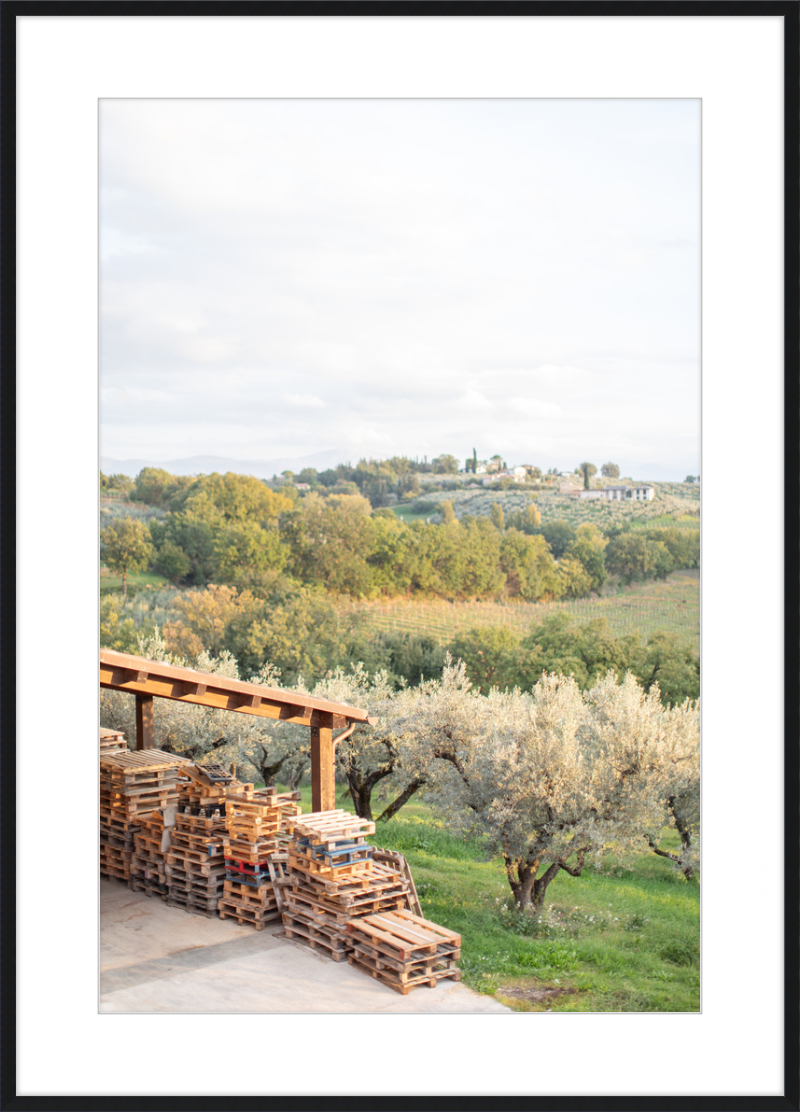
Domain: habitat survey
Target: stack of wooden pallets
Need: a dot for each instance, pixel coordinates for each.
(205, 787)
(402, 950)
(148, 860)
(111, 741)
(132, 784)
(333, 878)
(195, 865)
(258, 824)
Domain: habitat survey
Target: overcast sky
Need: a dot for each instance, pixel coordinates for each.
(410, 277)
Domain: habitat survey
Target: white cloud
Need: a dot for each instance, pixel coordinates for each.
(531, 407)
(474, 402)
(303, 400)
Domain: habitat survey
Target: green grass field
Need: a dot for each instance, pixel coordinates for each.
(672, 604)
(112, 583)
(408, 514)
(613, 940)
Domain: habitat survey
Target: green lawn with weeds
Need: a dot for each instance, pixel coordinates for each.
(613, 940)
(112, 584)
(409, 515)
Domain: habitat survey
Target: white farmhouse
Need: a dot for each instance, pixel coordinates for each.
(625, 493)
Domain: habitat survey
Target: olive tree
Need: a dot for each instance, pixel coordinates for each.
(417, 727)
(679, 777)
(556, 778)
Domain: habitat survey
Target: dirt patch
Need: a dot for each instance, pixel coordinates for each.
(534, 995)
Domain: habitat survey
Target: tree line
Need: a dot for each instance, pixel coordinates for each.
(234, 530)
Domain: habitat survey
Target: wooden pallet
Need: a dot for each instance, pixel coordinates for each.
(194, 865)
(277, 865)
(134, 810)
(117, 872)
(141, 759)
(175, 899)
(112, 875)
(201, 808)
(254, 806)
(149, 887)
(377, 958)
(113, 821)
(245, 916)
(243, 794)
(393, 860)
(298, 902)
(112, 741)
(199, 854)
(334, 946)
(400, 984)
(349, 889)
(147, 865)
(189, 881)
(115, 853)
(201, 826)
(346, 852)
(262, 896)
(210, 775)
(199, 886)
(252, 851)
(332, 826)
(111, 840)
(405, 935)
(403, 950)
(362, 903)
(361, 867)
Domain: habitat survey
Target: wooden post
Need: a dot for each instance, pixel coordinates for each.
(323, 785)
(145, 733)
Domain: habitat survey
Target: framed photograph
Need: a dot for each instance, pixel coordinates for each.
(658, 63)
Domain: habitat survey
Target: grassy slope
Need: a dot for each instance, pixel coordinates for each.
(113, 583)
(409, 516)
(619, 940)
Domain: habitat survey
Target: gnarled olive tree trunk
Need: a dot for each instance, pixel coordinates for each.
(528, 887)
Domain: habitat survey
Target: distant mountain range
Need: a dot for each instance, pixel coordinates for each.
(206, 465)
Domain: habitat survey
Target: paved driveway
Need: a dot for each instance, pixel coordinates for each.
(155, 958)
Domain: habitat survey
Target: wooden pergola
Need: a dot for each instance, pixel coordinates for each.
(149, 680)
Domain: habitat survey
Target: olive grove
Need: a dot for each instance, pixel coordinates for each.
(550, 779)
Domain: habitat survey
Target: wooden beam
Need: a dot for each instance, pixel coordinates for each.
(134, 674)
(323, 786)
(145, 732)
(249, 701)
(193, 689)
(211, 697)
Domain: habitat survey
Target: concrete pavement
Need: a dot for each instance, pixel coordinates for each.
(155, 958)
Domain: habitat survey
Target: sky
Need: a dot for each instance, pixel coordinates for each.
(280, 278)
